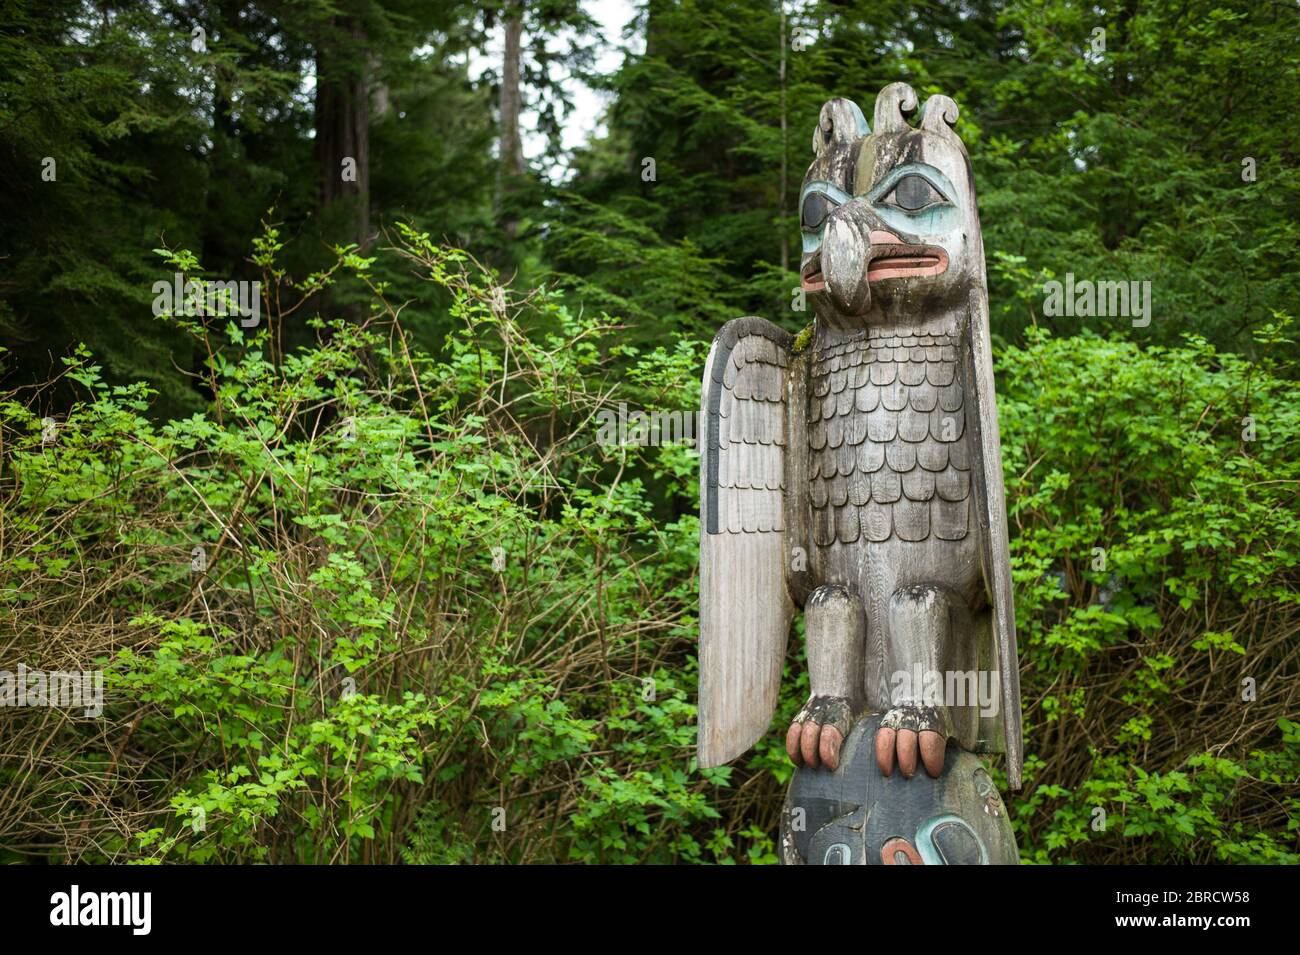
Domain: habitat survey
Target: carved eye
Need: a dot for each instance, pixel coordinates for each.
(914, 193)
(815, 210)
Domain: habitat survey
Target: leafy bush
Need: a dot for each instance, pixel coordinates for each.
(348, 670)
(1154, 496)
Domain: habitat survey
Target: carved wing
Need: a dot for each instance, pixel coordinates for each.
(991, 507)
(745, 607)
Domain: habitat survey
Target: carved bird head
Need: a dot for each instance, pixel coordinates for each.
(887, 213)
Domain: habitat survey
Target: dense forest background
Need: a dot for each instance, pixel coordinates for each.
(362, 581)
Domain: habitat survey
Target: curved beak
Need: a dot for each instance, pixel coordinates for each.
(857, 251)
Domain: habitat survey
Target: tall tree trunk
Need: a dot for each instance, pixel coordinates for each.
(511, 147)
(343, 136)
(380, 101)
(782, 226)
(220, 247)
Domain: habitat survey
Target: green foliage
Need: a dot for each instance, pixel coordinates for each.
(347, 654)
(1156, 569)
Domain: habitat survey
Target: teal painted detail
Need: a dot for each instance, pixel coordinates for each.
(838, 854)
(933, 219)
(827, 189)
(863, 128)
(812, 241)
(930, 852)
(937, 179)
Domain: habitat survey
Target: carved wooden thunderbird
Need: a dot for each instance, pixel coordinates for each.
(860, 479)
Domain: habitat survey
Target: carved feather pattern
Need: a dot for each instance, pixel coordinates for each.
(745, 605)
(750, 436)
(887, 436)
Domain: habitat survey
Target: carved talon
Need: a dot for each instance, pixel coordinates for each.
(909, 730)
(818, 731)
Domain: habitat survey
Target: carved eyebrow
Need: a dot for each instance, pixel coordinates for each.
(927, 172)
(811, 240)
(827, 189)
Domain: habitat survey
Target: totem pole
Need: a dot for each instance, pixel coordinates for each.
(859, 478)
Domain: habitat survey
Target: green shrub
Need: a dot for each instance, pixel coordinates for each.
(1157, 537)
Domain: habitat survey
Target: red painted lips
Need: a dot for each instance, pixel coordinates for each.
(892, 258)
(889, 257)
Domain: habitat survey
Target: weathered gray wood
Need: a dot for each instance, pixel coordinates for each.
(997, 552)
(836, 629)
(745, 609)
(798, 562)
(863, 477)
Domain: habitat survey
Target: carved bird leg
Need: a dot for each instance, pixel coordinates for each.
(920, 628)
(836, 633)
